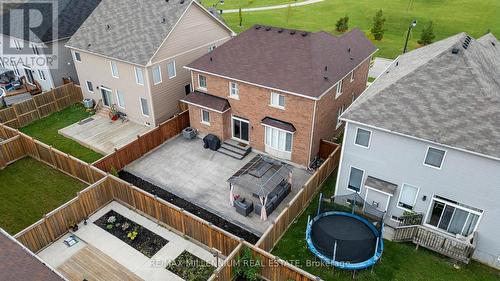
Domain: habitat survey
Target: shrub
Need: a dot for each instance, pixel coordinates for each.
(427, 35)
(378, 26)
(342, 24)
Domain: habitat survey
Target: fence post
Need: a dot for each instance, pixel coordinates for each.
(55, 99)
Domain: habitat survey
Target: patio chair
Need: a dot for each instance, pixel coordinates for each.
(269, 207)
(243, 207)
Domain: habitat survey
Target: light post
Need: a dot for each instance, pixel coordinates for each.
(412, 25)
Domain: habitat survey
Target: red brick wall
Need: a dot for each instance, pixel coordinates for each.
(253, 104)
(328, 106)
(217, 122)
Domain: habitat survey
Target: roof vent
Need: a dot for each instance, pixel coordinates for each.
(281, 30)
(89, 45)
(304, 34)
(349, 50)
(493, 43)
(397, 63)
(182, 2)
(455, 51)
(211, 59)
(268, 28)
(465, 45)
(326, 68)
(258, 27)
(292, 32)
(108, 27)
(163, 20)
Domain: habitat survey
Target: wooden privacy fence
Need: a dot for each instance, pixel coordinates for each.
(272, 267)
(144, 143)
(24, 145)
(55, 224)
(26, 112)
(326, 148)
(293, 209)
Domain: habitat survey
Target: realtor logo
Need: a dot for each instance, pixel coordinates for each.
(28, 28)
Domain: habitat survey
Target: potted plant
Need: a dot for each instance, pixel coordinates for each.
(73, 226)
(247, 268)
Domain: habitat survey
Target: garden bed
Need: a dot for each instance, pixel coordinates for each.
(190, 267)
(135, 235)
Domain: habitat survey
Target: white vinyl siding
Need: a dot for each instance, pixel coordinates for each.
(171, 70)
(279, 139)
(120, 98)
(408, 197)
(139, 75)
(277, 100)
(114, 69)
(144, 107)
(157, 75)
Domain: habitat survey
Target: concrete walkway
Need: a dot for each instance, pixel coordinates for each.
(379, 66)
(282, 6)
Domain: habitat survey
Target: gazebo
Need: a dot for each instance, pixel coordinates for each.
(260, 177)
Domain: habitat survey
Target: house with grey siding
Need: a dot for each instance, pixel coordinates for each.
(130, 54)
(425, 138)
(40, 55)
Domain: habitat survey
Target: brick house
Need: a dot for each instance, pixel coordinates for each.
(278, 91)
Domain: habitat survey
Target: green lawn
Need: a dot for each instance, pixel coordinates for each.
(46, 129)
(449, 16)
(29, 189)
(400, 261)
(235, 4)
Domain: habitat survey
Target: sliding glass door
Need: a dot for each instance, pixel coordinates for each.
(453, 217)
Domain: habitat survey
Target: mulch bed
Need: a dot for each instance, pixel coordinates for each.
(145, 241)
(190, 207)
(190, 267)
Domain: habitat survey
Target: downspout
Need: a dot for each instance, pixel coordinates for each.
(312, 134)
(341, 157)
(150, 96)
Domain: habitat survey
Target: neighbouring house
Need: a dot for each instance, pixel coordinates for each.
(40, 55)
(277, 90)
(425, 138)
(131, 54)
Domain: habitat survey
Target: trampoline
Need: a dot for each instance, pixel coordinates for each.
(347, 240)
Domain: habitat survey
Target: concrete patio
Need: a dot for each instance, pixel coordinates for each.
(101, 256)
(184, 168)
(101, 134)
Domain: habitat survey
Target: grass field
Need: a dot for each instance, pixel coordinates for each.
(449, 17)
(29, 189)
(235, 4)
(46, 130)
(400, 261)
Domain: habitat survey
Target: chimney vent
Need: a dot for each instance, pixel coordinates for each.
(455, 51)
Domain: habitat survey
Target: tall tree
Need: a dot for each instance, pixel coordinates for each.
(378, 25)
(427, 35)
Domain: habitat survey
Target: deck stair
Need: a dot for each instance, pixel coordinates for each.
(234, 149)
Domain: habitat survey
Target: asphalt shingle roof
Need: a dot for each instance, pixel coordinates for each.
(128, 30)
(67, 16)
(291, 60)
(433, 94)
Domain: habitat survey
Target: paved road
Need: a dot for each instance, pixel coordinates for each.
(379, 65)
(307, 2)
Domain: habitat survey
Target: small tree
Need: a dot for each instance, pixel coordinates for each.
(378, 25)
(288, 12)
(427, 34)
(240, 15)
(342, 24)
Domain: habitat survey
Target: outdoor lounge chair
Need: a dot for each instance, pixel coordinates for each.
(243, 207)
(269, 207)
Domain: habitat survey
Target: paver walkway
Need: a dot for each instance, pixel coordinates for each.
(282, 6)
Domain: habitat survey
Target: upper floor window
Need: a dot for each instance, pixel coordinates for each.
(434, 157)
(355, 179)
(202, 82)
(114, 69)
(77, 57)
(408, 197)
(171, 69)
(338, 90)
(363, 137)
(41, 74)
(157, 75)
(139, 76)
(352, 76)
(234, 91)
(339, 113)
(277, 100)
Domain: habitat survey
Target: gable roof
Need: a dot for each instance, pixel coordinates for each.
(17, 263)
(129, 30)
(288, 60)
(432, 93)
(70, 14)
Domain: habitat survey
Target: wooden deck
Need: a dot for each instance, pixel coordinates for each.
(92, 264)
(103, 135)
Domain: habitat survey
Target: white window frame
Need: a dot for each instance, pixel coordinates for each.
(442, 161)
(202, 118)
(352, 76)
(212, 48)
(278, 95)
(339, 113)
(414, 201)
(138, 70)
(349, 178)
(158, 67)
(434, 198)
(87, 86)
(199, 85)
(111, 64)
(142, 109)
(175, 70)
(338, 89)
(237, 90)
(118, 99)
(280, 130)
(77, 58)
(41, 75)
(369, 140)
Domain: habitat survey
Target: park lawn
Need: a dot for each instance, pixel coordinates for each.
(30, 189)
(400, 261)
(449, 17)
(235, 4)
(46, 130)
